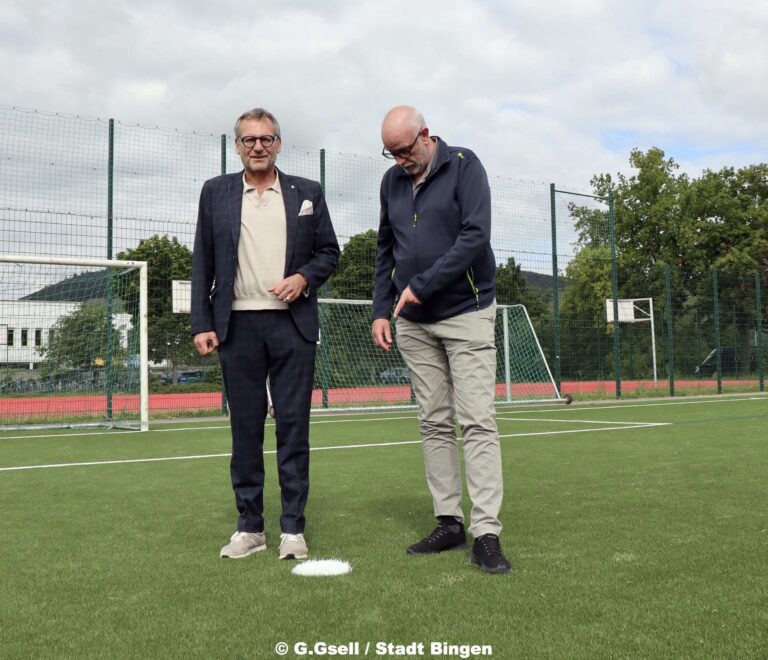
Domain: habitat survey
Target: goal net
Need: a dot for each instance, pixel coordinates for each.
(73, 343)
(351, 372)
(523, 374)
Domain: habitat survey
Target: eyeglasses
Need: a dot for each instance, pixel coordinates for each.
(403, 153)
(249, 141)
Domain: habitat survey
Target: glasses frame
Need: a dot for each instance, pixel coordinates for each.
(260, 139)
(402, 153)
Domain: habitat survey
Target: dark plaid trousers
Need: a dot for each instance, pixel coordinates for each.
(261, 344)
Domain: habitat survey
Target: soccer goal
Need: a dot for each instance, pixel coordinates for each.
(73, 343)
(524, 374)
(351, 372)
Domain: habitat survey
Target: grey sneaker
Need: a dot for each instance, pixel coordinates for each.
(243, 544)
(293, 546)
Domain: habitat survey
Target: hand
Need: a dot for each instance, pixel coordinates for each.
(382, 333)
(290, 288)
(206, 342)
(407, 297)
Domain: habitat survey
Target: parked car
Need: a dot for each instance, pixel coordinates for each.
(395, 375)
(190, 377)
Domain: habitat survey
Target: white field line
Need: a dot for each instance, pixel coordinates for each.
(596, 406)
(504, 411)
(577, 421)
(333, 447)
(190, 428)
(604, 428)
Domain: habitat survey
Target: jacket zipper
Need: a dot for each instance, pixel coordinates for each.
(475, 292)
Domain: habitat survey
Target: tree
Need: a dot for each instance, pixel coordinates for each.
(169, 334)
(730, 212)
(81, 340)
(512, 289)
(584, 336)
(717, 221)
(353, 279)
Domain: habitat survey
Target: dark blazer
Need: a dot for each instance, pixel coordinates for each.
(311, 249)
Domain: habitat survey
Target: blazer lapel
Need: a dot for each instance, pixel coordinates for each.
(291, 200)
(235, 207)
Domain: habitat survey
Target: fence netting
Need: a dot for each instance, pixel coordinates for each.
(94, 188)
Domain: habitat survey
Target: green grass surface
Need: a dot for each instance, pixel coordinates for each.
(627, 541)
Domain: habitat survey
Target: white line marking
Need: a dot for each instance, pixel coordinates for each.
(598, 406)
(116, 462)
(573, 421)
(612, 428)
(191, 428)
(272, 451)
(502, 411)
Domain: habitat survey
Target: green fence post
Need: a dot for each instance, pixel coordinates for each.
(716, 316)
(555, 289)
(324, 292)
(223, 170)
(670, 331)
(615, 294)
(759, 330)
(110, 233)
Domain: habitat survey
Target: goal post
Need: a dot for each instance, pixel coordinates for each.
(73, 346)
(525, 373)
(352, 373)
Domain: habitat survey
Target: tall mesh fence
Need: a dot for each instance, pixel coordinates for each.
(95, 188)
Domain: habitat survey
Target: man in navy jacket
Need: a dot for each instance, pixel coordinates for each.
(264, 245)
(434, 257)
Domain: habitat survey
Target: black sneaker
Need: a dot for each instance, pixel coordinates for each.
(444, 537)
(487, 554)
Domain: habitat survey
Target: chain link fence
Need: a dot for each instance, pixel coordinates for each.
(93, 188)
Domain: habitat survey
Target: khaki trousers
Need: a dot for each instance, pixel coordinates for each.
(453, 372)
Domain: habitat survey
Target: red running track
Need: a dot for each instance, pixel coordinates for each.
(68, 406)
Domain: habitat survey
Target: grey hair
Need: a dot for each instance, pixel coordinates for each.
(418, 121)
(256, 113)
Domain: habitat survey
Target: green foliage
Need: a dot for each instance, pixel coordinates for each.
(716, 221)
(169, 334)
(353, 279)
(512, 289)
(81, 340)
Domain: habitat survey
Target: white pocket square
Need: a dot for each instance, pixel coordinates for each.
(306, 208)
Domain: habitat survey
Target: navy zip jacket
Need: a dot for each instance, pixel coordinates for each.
(438, 243)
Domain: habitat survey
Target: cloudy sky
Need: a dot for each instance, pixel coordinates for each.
(541, 90)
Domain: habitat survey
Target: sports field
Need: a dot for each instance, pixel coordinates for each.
(635, 530)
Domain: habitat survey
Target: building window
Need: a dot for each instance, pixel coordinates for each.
(38, 337)
(10, 336)
(50, 336)
(24, 336)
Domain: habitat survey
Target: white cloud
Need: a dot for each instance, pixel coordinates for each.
(546, 91)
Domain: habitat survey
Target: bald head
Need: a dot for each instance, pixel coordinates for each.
(406, 139)
(402, 121)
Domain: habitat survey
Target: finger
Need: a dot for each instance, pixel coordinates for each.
(398, 307)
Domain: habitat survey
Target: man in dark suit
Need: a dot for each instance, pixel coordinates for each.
(264, 245)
